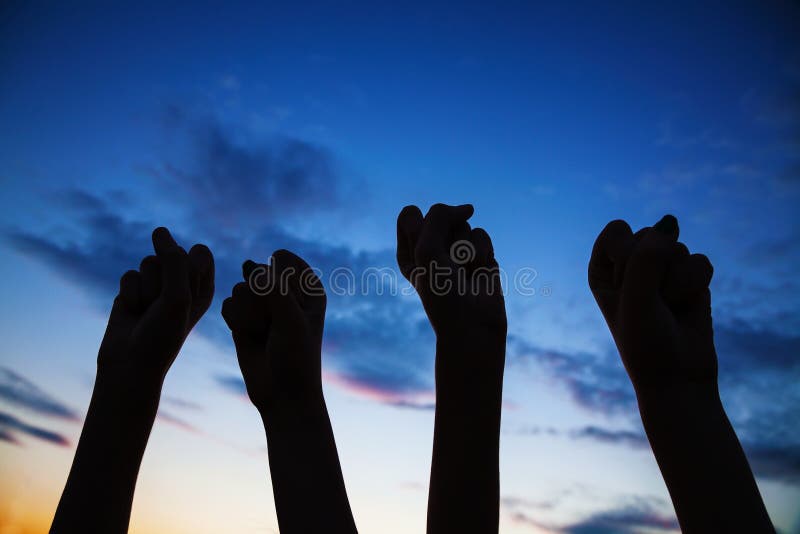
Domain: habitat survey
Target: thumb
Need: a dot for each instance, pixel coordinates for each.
(647, 265)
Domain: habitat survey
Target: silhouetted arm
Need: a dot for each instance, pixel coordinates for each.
(156, 308)
(464, 492)
(99, 491)
(277, 330)
(655, 298)
(464, 303)
(701, 460)
(307, 482)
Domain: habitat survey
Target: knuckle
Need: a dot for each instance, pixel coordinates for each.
(148, 262)
(240, 290)
(408, 212)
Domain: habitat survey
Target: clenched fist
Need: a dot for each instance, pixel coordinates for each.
(156, 308)
(276, 317)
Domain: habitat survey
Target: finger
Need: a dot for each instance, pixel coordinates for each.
(150, 270)
(409, 226)
(302, 280)
(607, 264)
(461, 232)
(647, 265)
(201, 279)
(175, 286)
(241, 291)
(130, 291)
(609, 255)
(482, 244)
(243, 312)
(248, 267)
(438, 227)
(486, 279)
(686, 278)
(680, 250)
(284, 300)
(260, 277)
(230, 314)
(668, 225)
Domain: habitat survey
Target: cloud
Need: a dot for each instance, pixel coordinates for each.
(754, 364)
(97, 253)
(628, 515)
(594, 381)
(393, 392)
(19, 391)
(177, 422)
(10, 426)
(232, 384)
(372, 338)
(228, 179)
(630, 518)
(182, 404)
(240, 196)
(613, 437)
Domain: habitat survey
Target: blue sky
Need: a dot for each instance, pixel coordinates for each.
(252, 128)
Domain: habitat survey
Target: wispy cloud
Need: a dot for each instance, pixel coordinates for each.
(239, 197)
(17, 390)
(614, 437)
(754, 363)
(630, 518)
(629, 515)
(11, 427)
(177, 422)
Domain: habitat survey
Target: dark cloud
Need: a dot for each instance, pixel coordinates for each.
(630, 515)
(10, 426)
(233, 384)
(230, 180)
(374, 340)
(235, 195)
(95, 255)
(595, 381)
(628, 519)
(755, 365)
(17, 390)
(614, 437)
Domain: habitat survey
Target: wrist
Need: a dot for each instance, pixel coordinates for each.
(685, 402)
(297, 408)
(126, 395)
(469, 371)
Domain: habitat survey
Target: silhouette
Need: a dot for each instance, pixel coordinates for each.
(652, 292)
(464, 303)
(656, 300)
(156, 308)
(276, 319)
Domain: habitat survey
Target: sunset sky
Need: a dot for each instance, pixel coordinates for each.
(309, 127)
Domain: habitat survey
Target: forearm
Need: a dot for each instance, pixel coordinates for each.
(307, 482)
(464, 487)
(701, 460)
(99, 491)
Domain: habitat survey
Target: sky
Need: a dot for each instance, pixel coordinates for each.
(256, 127)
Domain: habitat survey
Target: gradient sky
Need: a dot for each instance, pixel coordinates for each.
(309, 128)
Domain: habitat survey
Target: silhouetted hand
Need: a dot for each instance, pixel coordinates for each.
(156, 308)
(655, 298)
(153, 313)
(453, 269)
(276, 319)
